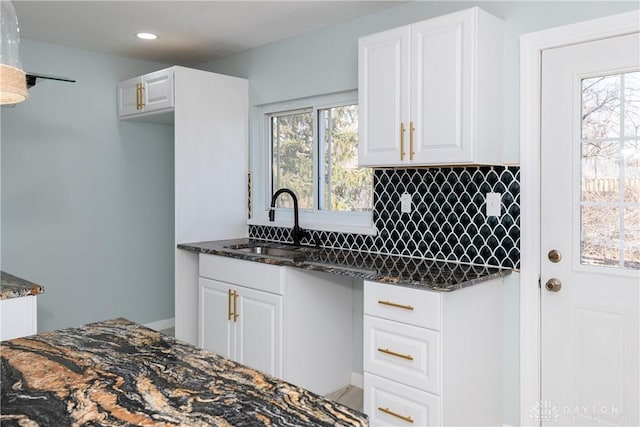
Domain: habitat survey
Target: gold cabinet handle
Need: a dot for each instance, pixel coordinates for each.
(393, 304)
(393, 353)
(141, 96)
(137, 96)
(394, 414)
(402, 129)
(229, 305)
(235, 306)
(411, 131)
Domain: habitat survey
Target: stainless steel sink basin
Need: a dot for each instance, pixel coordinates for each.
(277, 250)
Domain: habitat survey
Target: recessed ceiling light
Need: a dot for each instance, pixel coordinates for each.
(146, 36)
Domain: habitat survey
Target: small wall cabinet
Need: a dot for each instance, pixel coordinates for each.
(433, 359)
(279, 320)
(19, 317)
(430, 93)
(146, 94)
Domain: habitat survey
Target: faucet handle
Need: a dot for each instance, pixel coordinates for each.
(272, 215)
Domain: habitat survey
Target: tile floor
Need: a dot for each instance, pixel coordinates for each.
(350, 396)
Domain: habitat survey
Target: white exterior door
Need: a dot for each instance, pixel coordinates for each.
(590, 234)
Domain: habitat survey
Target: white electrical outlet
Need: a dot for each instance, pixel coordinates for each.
(494, 204)
(405, 203)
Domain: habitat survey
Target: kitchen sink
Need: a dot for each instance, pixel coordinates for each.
(277, 250)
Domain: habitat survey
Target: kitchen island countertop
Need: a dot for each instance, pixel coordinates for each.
(119, 373)
(432, 275)
(15, 287)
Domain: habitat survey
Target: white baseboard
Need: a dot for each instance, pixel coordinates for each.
(162, 324)
(357, 379)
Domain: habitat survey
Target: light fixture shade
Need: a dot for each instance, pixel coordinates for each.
(13, 82)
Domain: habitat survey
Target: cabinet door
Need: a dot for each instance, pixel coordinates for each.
(383, 97)
(158, 90)
(128, 97)
(259, 330)
(216, 331)
(441, 67)
(388, 403)
(19, 317)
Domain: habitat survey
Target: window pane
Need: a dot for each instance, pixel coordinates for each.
(631, 153)
(611, 171)
(601, 107)
(632, 104)
(632, 237)
(600, 171)
(346, 187)
(292, 150)
(600, 235)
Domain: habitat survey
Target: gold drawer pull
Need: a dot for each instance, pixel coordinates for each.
(393, 353)
(390, 412)
(393, 304)
(229, 304)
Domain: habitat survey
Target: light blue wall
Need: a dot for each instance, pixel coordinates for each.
(325, 61)
(87, 200)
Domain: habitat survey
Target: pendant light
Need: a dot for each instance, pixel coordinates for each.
(13, 84)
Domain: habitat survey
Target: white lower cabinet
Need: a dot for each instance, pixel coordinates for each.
(433, 358)
(19, 317)
(290, 323)
(242, 324)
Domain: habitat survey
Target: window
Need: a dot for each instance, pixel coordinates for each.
(311, 147)
(610, 202)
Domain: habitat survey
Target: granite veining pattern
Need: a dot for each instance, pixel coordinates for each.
(14, 287)
(119, 373)
(418, 273)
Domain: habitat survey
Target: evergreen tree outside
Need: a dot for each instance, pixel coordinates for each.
(342, 186)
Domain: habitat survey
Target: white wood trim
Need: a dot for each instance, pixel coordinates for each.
(162, 324)
(357, 379)
(531, 47)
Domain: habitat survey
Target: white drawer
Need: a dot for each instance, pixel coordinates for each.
(391, 404)
(256, 275)
(402, 353)
(413, 306)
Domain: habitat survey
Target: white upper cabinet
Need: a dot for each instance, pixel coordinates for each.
(430, 93)
(146, 94)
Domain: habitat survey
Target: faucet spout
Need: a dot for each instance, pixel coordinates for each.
(297, 233)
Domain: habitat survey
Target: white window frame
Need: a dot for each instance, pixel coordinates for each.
(260, 169)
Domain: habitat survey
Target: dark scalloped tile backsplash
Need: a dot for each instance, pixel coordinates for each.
(447, 221)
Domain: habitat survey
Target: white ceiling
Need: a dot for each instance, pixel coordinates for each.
(190, 32)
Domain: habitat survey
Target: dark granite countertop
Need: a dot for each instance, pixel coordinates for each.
(403, 271)
(15, 287)
(119, 373)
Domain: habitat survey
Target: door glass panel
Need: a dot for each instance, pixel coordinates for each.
(600, 235)
(610, 171)
(632, 237)
(601, 107)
